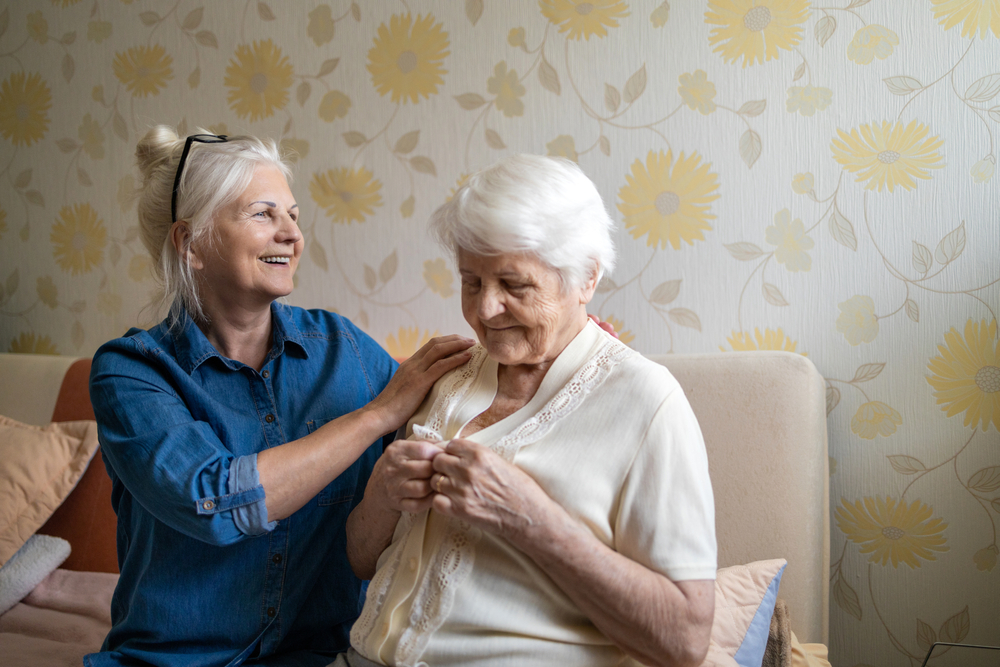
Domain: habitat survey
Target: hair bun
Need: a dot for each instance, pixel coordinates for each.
(155, 148)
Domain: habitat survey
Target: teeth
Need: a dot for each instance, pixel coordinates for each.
(275, 260)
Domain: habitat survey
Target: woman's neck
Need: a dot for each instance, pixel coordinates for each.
(241, 336)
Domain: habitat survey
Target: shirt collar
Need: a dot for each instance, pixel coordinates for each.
(193, 347)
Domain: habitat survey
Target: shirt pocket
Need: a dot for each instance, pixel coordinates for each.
(343, 488)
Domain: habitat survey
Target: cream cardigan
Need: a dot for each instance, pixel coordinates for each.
(610, 436)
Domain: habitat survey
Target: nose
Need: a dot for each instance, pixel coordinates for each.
(490, 303)
(288, 230)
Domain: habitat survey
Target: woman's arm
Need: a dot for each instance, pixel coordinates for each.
(655, 620)
(293, 473)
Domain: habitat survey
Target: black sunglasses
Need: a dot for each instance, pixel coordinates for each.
(201, 139)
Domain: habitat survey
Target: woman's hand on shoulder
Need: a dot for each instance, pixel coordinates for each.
(476, 485)
(415, 377)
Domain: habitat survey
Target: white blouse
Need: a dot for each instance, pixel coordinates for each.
(608, 435)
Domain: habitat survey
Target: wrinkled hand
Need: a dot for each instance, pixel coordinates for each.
(415, 376)
(604, 325)
(401, 477)
(476, 485)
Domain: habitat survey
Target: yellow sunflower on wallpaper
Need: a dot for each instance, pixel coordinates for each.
(966, 374)
(143, 69)
(346, 194)
(974, 15)
(755, 29)
(438, 277)
(669, 200)
(508, 90)
(771, 339)
(24, 102)
(584, 19)
(78, 239)
(875, 418)
(407, 57)
(28, 343)
(409, 341)
(258, 78)
(889, 154)
(892, 531)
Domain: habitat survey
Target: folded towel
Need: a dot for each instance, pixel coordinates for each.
(36, 559)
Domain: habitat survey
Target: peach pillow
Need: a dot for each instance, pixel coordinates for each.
(39, 467)
(745, 596)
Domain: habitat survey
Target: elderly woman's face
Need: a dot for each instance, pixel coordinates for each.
(517, 307)
(257, 243)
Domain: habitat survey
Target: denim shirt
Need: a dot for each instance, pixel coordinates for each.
(205, 578)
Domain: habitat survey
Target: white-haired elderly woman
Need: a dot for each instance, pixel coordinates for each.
(551, 505)
(239, 432)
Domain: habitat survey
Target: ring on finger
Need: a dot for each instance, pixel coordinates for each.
(437, 484)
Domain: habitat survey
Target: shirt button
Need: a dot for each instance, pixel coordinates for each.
(269, 418)
(207, 505)
(272, 612)
(276, 559)
(413, 564)
(266, 374)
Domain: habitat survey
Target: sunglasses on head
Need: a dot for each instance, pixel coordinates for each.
(201, 139)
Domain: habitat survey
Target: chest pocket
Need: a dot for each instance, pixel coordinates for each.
(343, 488)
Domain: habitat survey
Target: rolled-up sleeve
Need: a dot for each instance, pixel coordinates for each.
(174, 464)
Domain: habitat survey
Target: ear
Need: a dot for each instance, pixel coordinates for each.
(180, 237)
(590, 286)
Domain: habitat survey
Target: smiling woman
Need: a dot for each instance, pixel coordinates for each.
(237, 418)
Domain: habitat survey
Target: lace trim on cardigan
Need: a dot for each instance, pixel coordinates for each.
(452, 561)
(453, 388)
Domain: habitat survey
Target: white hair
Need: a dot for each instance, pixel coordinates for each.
(215, 175)
(545, 206)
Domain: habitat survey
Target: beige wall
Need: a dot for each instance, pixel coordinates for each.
(819, 179)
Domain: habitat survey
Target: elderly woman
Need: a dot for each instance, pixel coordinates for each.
(238, 433)
(551, 505)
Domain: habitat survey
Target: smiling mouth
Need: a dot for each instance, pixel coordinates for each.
(276, 260)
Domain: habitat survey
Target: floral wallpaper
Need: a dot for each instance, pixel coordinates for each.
(817, 177)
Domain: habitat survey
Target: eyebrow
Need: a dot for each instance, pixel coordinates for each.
(271, 204)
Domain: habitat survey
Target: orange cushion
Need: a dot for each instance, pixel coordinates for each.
(86, 519)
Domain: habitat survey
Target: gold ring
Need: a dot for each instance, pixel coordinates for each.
(437, 485)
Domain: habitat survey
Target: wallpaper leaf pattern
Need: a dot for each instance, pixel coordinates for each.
(817, 178)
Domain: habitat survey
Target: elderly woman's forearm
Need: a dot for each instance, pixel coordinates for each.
(653, 619)
(369, 533)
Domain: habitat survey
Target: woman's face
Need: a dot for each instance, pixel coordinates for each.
(256, 245)
(517, 307)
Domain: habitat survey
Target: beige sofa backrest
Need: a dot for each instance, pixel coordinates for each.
(763, 415)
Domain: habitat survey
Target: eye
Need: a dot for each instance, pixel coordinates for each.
(515, 288)
(471, 284)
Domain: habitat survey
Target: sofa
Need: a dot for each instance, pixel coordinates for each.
(763, 415)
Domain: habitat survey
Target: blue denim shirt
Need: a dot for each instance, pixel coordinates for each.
(205, 579)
